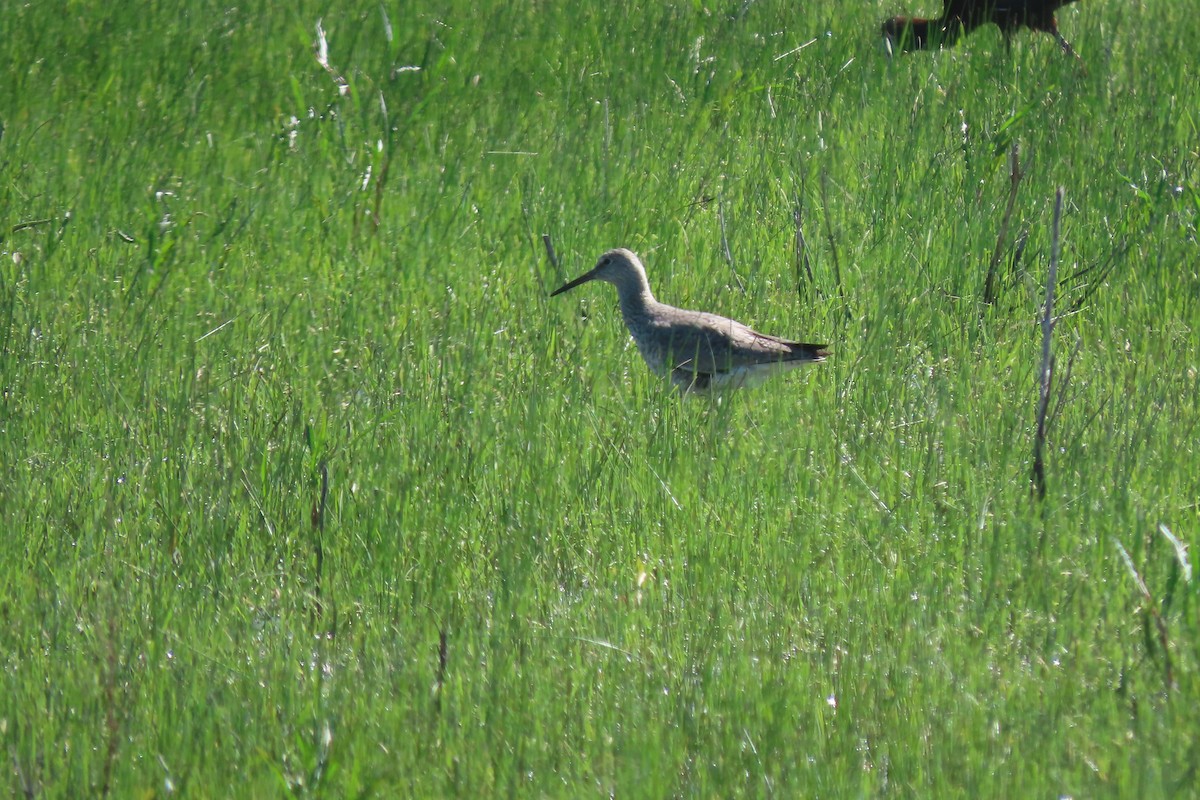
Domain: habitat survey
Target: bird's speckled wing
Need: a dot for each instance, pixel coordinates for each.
(711, 344)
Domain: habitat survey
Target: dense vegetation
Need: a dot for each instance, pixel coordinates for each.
(309, 489)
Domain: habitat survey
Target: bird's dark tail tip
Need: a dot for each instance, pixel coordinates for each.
(802, 351)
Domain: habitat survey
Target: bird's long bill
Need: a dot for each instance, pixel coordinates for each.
(584, 278)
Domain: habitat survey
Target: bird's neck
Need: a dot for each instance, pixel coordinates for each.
(636, 300)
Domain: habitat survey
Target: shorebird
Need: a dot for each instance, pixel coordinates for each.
(698, 351)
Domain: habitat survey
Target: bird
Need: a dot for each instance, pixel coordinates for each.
(960, 17)
(699, 352)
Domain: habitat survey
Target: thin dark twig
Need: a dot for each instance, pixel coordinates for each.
(989, 287)
(725, 243)
(550, 251)
(1019, 249)
(1066, 381)
(1046, 375)
(701, 202)
(1103, 270)
(440, 675)
(804, 275)
(837, 267)
(33, 223)
(318, 522)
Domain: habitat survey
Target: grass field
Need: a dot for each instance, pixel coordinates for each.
(231, 276)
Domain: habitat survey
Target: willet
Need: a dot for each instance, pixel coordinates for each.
(698, 351)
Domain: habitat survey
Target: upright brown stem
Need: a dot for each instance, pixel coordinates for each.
(1046, 376)
(989, 288)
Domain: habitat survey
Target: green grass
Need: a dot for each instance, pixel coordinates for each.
(218, 274)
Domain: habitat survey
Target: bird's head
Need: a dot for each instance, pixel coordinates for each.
(619, 267)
